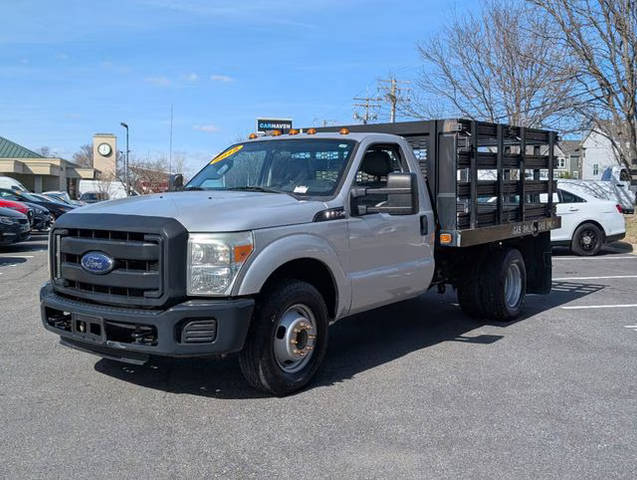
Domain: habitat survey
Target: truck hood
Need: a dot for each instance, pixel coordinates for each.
(214, 211)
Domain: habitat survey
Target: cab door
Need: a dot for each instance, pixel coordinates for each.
(391, 257)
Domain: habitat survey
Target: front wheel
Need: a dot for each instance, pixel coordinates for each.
(287, 339)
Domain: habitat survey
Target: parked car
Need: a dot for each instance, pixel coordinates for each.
(14, 226)
(622, 179)
(56, 208)
(588, 222)
(11, 183)
(18, 206)
(42, 218)
(609, 188)
(94, 197)
(64, 197)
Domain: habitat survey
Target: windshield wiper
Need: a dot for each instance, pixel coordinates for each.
(255, 188)
(193, 188)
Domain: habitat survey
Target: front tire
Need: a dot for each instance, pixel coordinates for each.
(287, 340)
(588, 240)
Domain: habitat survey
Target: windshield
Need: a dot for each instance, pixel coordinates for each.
(30, 197)
(297, 166)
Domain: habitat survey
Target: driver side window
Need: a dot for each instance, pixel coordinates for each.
(379, 161)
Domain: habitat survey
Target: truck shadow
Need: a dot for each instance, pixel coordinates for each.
(357, 344)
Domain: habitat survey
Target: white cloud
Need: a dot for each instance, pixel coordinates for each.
(192, 77)
(221, 78)
(158, 81)
(206, 128)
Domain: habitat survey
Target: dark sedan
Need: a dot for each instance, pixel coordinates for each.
(56, 208)
(42, 218)
(14, 226)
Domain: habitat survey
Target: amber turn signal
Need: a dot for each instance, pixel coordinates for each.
(241, 252)
(446, 238)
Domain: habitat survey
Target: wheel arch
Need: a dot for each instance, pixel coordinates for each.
(312, 271)
(594, 222)
(303, 257)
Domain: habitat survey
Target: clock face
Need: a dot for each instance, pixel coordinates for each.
(104, 149)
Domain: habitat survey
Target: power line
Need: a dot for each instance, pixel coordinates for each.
(393, 94)
(371, 106)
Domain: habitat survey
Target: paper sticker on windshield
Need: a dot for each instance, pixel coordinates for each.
(226, 154)
(300, 189)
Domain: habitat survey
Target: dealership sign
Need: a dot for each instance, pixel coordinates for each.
(266, 125)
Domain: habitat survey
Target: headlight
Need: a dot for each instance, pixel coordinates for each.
(6, 220)
(214, 261)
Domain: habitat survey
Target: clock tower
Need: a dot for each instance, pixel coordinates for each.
(105, 154)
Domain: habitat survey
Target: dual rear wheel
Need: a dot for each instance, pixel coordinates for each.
(495, 287)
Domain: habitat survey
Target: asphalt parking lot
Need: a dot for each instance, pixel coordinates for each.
(415, 390)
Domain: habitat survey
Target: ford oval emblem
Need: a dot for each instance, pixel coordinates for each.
(97, 262)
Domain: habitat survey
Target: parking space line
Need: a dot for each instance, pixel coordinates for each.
(603, 257)
(632, 327)
(585, 307)
(595, 278)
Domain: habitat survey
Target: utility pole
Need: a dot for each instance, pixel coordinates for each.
(393, 94)
(126, 162)
(370, 104)
(170, 149)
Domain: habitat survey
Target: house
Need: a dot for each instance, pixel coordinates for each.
(598, 155)
(39, 173)
(568, 154)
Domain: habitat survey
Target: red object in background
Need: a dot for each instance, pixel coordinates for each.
(19, 206)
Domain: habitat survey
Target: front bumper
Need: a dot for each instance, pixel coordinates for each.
(193, 328)
(14, 234)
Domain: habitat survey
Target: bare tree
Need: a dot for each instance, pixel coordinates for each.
(492, 66)
(105, 186)
(601, 37)
(44, 151)
(150, 175)
(84, 156)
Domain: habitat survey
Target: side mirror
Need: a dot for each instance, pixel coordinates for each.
(175, 182)
(402, 196)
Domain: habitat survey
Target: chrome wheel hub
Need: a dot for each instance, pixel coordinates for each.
(294, 338)
(513, 285)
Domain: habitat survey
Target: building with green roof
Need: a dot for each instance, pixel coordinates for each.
(39, 173)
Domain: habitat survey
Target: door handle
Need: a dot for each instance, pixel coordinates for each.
(424, 225)
(573, 209)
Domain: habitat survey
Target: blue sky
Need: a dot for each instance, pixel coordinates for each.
(71, 69)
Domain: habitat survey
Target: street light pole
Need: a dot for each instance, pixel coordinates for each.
(126, 161)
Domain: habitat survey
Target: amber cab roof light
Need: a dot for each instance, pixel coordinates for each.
(311, 131)
(344, 131)
(293, 131)
(253, 136)
(276, 133)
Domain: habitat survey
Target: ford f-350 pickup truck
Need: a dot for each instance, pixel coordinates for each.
(281, 235)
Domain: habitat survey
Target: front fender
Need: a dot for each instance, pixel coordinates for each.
(295, 247)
